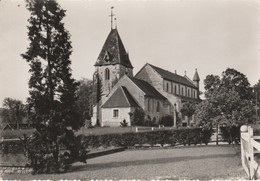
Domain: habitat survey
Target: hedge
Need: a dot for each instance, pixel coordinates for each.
(184, 136)
(13, 147)
(181, 136)
(230, 134)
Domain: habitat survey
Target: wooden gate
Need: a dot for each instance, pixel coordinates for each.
(249, 147)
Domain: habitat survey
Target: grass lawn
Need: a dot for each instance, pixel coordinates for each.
(199, 162)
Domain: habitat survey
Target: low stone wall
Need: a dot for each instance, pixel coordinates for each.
(15, 169)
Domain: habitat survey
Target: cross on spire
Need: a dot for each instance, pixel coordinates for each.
(111, 15)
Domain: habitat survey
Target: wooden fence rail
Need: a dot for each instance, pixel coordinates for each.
(250, 147)
(11, 139)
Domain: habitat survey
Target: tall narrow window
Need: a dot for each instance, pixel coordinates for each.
(148, 105)
(152, 105)
(182, 93)
(115, 113)
(188, 92)
(107, 74)
(158, 106)
(175, 89)
(167, 87)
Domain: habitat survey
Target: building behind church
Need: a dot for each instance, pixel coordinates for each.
(156, 91)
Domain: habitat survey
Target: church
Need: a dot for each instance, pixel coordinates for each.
(156, 91)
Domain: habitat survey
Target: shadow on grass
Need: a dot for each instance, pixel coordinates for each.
(101, 166)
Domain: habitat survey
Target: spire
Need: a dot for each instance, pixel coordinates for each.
(113, 51)
(196, 77)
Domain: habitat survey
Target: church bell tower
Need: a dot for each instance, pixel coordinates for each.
(113, 61)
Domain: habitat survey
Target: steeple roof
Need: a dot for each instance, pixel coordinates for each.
(113, 51)
(196, 76)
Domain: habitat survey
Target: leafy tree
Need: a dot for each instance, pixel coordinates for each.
(14, 111)
(211, 82)
(188, 109)
(227, 98)
(256, 98)
(52, 98)
(256, 89)
(137, 117)
(85, 98)
(224, 106)
(232, 79)
(256, 93)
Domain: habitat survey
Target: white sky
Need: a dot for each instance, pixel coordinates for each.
(210, 35)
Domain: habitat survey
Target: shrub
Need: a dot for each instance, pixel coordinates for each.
(123, 123)
(88, 124)
(13, 147)
(205, 135)
(230, 134)
(167, 120)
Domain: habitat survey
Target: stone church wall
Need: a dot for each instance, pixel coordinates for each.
(116, 72)
(149, 75)
(151, 108)
(110, 120)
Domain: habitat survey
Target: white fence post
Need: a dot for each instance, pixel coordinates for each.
(242, 145)
(251, 152)
(136, 129)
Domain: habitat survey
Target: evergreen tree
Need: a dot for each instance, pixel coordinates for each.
(52, 88)
(85, 96)
(137, 117)
(97, 96)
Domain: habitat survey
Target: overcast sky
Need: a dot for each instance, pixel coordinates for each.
(210, 35)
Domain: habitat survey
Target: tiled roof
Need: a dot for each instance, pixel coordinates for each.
(172, 76)
(113, 51)
(147, 88)
(120, 98)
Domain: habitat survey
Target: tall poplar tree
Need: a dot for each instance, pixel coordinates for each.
(52, 89)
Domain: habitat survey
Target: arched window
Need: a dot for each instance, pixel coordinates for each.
(107, 74)
(148, 106)
(158, 106)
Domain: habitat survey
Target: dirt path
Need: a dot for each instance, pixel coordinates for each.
(204, 163)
